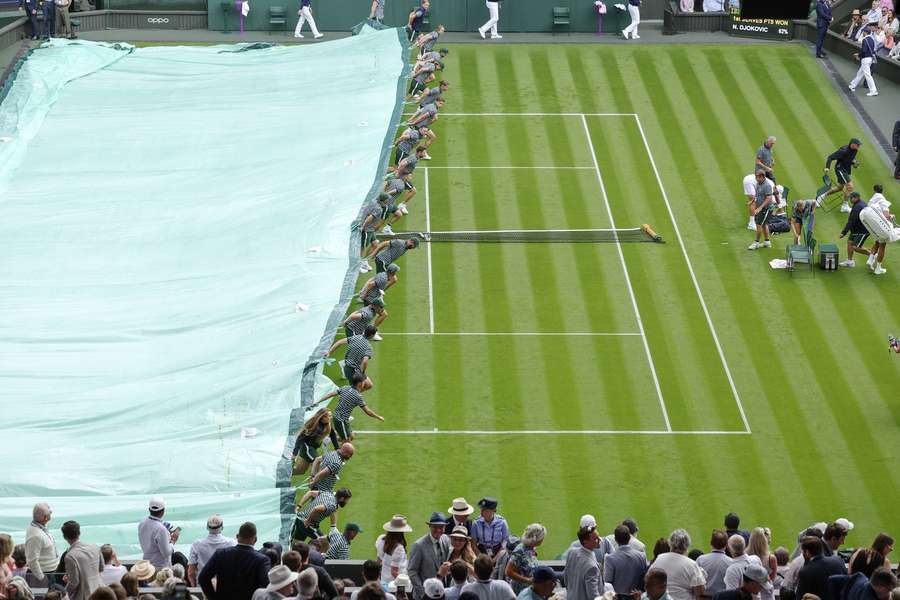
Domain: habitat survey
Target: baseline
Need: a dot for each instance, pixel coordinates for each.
(428, 256)
(545, 432)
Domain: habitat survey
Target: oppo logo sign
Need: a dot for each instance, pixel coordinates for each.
(157, 20)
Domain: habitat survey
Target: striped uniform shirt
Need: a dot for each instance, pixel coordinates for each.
(358, 347)
(424, 71)
(348, 399)
(358, 327)
(430, 57)
(338, 546)
(430, 110)
(395, 186)
(394, 250)
(326, 499)
(409, 144)
(431, 96)
(381, 281)
(333, 462)
(407, 165)
(375, 210)
(430, 41)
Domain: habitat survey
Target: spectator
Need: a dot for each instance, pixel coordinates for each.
(867, 560)
(428, 554)
(656, 584)
(854, 25)
(835, 535)
(371, 572)
(117, 588)
(129, 581)
(113, 571)
(484, 587)
(281, 584)
(459, 515)
(327, 468)
(753, 579)
(461, 548)
(817, 568)
(401, 586)
(694, 554)
(83, 563)
(17, 589)
(391, 548)
(604, 547)
(155, 538)
(40, 548)
(523, 559)
(434, 589)
(324, 582)
(162, 576)
(783, 558)
(686, 580)
(860, 587)
(544, 582)
(626, 566)
(20, 563)
(660, 547)
(308, 585)
(339, 543)
(459, 577)
(63, 22)
(143, 571)
(715, 563)
(759, 547)
(823, 21)
(633, 530)
(239, 570)
(490, 530)
(687, 6)
(739, 561)
(372, 591)
(713, 6)
(582, 570)
(6, 562)
(204, 548)
(102, 593)
(732, 520)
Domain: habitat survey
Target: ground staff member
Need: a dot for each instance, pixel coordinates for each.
(896, 143)
(305, 14)
(634, 9)
(856, 229)
(765, 201)
(844, 159)
(823, 20)
(866, 57)
(493, 7)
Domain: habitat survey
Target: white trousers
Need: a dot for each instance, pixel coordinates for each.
(494, 11)
(635, 13)
(865, 70)
(306, 15)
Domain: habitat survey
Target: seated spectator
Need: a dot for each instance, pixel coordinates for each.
(686, 580)
(694, 554)
(308, 585)
(655, 585)
(401, 587)
(854, 25)
(129, 581)
(782, 559)
(543, 583)
(162, 576)
(117, 588)
(817, 568)
(18, 557)
(281, 584)
(325, 583)
(713, 6)
(524, 559)
(753, 579)
(739, 560)
(6, 562)
(102, 593)
(686, 5)
(625, 567)
(867, 560)
(486, 588)
(113, 571)
(144, 572)
(715, 563)
(18, 589)
(434, 589)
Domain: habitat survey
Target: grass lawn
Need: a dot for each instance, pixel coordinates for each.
(670, 383)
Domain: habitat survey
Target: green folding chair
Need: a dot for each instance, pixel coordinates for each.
(803, 254)
(277, 17)
(562, 18)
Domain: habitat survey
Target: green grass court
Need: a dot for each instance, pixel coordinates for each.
(670, 383)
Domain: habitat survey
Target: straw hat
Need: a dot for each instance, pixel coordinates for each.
(279, 577)
(460, 531)
(143, 570)
(460, 507)
(397, 524)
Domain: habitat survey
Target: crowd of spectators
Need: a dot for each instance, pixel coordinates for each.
(459, 558)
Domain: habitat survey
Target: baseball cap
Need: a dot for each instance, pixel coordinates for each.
(415, 242)
(378, 302)
(846, 524)
(214, 522)
(392, 268)
(544, 573)
(433, 588)
(587, 522)
(157, 503)
(757, 573)
(353, 527)
(855, 141)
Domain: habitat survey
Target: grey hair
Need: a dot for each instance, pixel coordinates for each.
(771, 138)
(534, 534)
(168, 586)
(679, 541)
(308, 581)
(737, 544)
(178, 570)
(41, 510)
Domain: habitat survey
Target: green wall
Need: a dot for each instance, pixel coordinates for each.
(455, 15)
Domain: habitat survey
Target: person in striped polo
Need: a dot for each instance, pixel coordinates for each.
(430, 95)
(356, 322)
(339, 543)
(359, 352)
(426, 41)
(318, 506)
(389, 251)
(408, 165)
(372, 215)
(327, 468)
(349, 397)
(425, 117)
(394, 186)
(376, 286)
(406, 143)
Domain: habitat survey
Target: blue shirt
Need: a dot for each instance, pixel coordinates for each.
(491, 535)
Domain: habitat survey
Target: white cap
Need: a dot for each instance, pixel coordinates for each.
(587, 522)
(434, 588)
(820, 527)
(157, 503)
(848, 525)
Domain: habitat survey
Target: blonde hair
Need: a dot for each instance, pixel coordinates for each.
(6, 547)
(759, 544)
(534, 534)
(323, 415)
(163, 575)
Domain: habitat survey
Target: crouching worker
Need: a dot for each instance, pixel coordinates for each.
(803, 209)
(858, 232)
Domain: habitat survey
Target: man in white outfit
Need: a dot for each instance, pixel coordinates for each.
(866, 60)
(634, 9)
(493, 7)
(306, 15)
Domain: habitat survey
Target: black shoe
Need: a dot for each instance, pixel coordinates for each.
(821, 55)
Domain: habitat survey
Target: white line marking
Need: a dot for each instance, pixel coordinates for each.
(637, 312)
(545, 432)
(687, 258)
(536, 230)
(502, 167)
(449, 114)
(428, 256)
(515, 333)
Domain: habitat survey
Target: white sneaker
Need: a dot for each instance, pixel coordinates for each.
(767, 244)
(497, 37)
(635, 36)
(341, 364)
(298, 35)
(387, 229)
(426, 156)
(319, 35)
(481, 33)
(851, 88)
(848, 263)
(364, 268)
(879, 270)
(845, 207)
(873, 93)
(403, 209)
(870, 262)
(751, 224)
(753, 246)
(377, 337)
(624, 35)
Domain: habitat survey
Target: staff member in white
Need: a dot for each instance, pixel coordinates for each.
(881, 205)
(750, 193)
(493, 7)
(306, 15)
(866, 57)
(634, 9)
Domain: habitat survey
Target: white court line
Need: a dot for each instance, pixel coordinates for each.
(545, 432)
(515, 333)
(687, 258)
(637, 312)
(530, 114)
(459, 231)
(529, 168)
(428, 256)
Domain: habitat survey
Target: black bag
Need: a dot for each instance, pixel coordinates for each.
(779, 224)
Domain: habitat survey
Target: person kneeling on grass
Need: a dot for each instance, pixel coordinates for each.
(376, 286)
(856, 229)
(803, 209)
(763, 206)
(349, 397)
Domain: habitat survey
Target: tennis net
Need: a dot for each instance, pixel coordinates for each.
(644, 233)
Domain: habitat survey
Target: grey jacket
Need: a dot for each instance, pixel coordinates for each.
(582, 575)
(423, 563)
(83, 566)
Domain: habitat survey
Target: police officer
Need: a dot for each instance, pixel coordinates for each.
(30, 7)
(823, 20)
